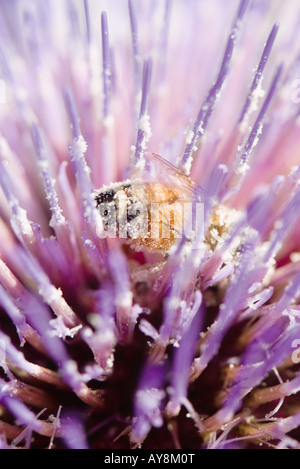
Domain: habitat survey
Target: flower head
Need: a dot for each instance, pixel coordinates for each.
(110, 338)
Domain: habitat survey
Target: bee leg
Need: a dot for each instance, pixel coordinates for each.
(144, 276)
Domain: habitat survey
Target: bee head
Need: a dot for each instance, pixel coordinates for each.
(105, 197)
(122, 210)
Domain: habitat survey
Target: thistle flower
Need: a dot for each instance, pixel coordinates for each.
(103, 346)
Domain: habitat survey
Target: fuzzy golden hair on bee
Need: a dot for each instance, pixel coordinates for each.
(149, 210)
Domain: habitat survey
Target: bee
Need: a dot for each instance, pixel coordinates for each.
(149, 211)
